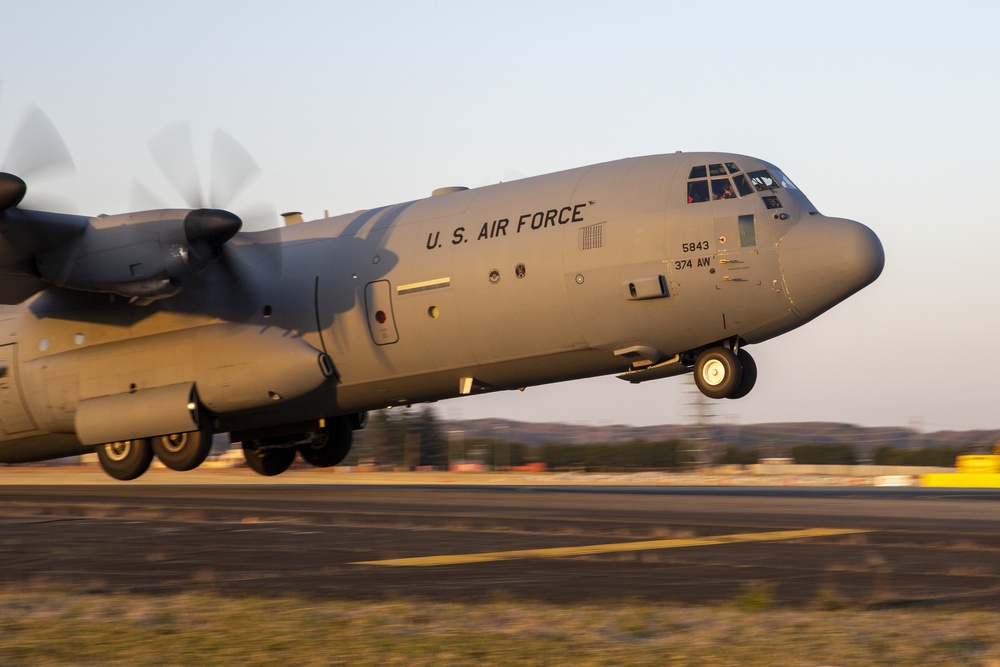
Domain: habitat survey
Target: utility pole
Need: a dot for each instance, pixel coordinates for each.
(696, 450)
(456, 447)
(501, 463)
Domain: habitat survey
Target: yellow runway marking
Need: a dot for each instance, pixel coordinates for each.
(617, 547)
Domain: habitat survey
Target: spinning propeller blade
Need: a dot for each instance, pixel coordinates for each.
(231, 168)
(173, 150)
(36, 147)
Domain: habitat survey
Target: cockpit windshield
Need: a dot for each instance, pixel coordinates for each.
(717, 181)
(726, 181)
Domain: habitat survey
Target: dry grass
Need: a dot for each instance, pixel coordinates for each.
(51, 627)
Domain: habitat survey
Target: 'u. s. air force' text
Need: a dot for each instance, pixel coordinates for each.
(553, 217)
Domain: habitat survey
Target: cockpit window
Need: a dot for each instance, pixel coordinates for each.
(722, 189)
(784, 180)
(712, 182)
(697, 191)
(742, 184)
(763, 180)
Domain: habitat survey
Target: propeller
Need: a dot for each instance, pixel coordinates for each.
(36, 150)
(231, 169)
(243, 263)
(208, 229)
(36, 147)
(12, 191)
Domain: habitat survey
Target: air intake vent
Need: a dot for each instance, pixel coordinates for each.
(592, 237)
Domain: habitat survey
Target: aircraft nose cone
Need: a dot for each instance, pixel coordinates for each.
(825, 260)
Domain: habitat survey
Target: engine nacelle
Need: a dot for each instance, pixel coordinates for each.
(145, 255)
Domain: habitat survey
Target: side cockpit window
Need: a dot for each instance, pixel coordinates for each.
(762, 180)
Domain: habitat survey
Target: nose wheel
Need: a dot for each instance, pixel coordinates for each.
(721, 373)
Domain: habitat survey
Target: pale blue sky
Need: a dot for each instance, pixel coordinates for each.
(881, 112)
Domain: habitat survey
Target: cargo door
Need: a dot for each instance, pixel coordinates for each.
(14, 416)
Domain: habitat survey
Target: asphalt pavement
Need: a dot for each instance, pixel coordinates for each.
(448, 537)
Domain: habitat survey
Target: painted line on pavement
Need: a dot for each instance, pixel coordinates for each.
(616, 547)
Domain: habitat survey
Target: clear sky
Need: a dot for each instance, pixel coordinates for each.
(884, 112)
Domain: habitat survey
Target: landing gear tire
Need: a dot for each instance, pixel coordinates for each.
(183, 451)
(359, 420)
(269, 461)
(749, 374)
(127, 459)
(718, 372)
(332, 446)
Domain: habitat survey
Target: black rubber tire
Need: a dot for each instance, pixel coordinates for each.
(268, 462)
(359, 420)
(333, 447)
(717, 372)
(749, 367)
(125, 460)
(183, 451)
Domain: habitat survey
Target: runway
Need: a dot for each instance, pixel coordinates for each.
(310, 536)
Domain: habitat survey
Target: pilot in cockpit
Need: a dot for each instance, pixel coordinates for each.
(724, 191)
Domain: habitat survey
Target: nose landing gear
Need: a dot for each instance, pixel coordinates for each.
(719, 372)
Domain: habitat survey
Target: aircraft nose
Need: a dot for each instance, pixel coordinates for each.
(825, 260)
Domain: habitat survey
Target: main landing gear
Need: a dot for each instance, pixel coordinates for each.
(322, 444)
(323, 447)
(183, 451)
(128, 459)
(720, 372)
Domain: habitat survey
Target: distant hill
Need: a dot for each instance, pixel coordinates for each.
(864, 439)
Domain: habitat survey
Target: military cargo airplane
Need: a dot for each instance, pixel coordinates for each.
(142, 334)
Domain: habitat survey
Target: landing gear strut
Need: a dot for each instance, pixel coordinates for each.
(721, 373)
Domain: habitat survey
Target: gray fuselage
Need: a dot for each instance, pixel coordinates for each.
(613, 268)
